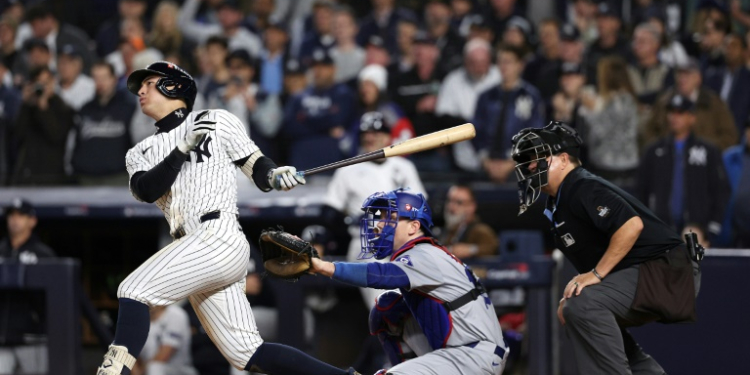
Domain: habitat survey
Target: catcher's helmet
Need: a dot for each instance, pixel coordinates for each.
(377, 241)
(535, 145)
(175, 83)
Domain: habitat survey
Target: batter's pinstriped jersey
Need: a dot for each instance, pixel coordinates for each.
(207, 180)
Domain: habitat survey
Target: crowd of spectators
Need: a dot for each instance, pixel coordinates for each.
(302, 73)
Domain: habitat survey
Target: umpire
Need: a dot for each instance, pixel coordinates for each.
(633, 268)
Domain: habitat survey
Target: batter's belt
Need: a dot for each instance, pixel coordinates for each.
(213, 215)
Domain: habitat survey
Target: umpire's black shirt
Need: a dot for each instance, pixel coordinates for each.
(588, 210)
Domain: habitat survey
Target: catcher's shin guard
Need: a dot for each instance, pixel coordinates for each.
(115, 359)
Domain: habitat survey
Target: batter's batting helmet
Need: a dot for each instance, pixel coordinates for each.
(175, 83)
(535, 145)
(377, 241)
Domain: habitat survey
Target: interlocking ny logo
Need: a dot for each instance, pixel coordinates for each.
(201, 149)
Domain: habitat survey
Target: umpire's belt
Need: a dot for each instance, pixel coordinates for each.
(213, 215)
(488, 346)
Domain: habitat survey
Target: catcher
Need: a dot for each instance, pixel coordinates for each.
(449, 322)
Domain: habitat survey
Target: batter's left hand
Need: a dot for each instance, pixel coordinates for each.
(285, 178)
(576, 285)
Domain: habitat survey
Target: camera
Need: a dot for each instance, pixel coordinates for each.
(694, 248)
(38, 89)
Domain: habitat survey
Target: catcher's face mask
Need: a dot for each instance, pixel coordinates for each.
(532, 150)
(382, 212)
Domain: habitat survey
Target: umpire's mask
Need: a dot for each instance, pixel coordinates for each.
(531, 148)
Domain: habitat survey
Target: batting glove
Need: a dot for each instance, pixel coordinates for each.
(285, 178)
(194, 134)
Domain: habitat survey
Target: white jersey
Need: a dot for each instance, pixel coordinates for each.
(171, 329)
(207, 181)
(207, 263)
(350, 186)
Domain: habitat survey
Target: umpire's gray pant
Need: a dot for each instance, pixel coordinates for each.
(596, 323)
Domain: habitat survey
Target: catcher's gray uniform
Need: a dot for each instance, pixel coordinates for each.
(474, 344)
(208, 260)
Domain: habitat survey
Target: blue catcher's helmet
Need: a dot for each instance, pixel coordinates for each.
(377, 240)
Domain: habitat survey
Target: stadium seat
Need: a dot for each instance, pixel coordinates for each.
(520, 245)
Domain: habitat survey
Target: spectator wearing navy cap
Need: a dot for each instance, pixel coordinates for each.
(24, 311)
(73, 86)
(518, 33)
(610, 40)
(376, 52)
(321, 36)
(499, 12)
(682, 177)
(295, 80)
(36, 53)
(461, 20)
(383, 21)
(481, 28)
(714, 119)
(315, 121)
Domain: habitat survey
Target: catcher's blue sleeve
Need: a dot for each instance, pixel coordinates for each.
(372, 275)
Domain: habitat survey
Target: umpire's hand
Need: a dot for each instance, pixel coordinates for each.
(285, 178)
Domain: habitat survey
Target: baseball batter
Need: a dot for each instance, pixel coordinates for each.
(188, 169)
(451, 326)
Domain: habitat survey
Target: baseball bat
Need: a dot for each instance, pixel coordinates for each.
(410, 146)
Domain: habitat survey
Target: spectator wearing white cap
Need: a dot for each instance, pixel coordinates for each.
(460, 90)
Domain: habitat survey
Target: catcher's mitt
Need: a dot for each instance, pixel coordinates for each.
(285, 255)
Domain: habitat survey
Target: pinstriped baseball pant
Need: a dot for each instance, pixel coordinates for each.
(208, 266)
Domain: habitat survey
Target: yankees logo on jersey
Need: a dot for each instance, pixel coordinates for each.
(207, 180)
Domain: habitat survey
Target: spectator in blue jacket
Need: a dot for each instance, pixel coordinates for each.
(383, 22)
(503, 111)
(736, 228)
(315, 121)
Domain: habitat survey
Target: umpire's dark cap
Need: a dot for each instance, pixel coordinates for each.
(679, 103)
(21, 206)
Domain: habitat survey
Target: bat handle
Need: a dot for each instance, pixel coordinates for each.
(301, 174)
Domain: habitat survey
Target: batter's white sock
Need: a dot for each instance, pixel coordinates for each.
(115, 359)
